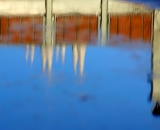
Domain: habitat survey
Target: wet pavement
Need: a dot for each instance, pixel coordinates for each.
(83, 80)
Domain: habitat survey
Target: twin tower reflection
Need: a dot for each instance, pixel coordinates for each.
(78, 54)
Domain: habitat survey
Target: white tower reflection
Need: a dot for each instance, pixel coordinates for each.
(57, 52)
(30, 50)
(79, 51)
(63, 53)
(47, 54)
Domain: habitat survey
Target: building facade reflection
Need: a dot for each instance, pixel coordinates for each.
(121, 22)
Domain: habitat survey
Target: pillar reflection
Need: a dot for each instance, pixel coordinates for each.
(63, 53)
(30, 51)
(47, 54)
(79, 51)
(155, 90)
(57, 52)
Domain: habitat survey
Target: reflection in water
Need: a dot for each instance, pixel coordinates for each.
(78, 51)
(129, 21)
(78, 54)
(123, 22)
(21, 29)
(57, 51)
(107, 93)
(47, 53)
(63, 52)
(30, 50)
(155, 92)
(156, 109)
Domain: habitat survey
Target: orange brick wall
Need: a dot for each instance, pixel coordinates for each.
(21, 30)
(76, 29)
(131, 27)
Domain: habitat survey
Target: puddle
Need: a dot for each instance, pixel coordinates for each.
(99, 67)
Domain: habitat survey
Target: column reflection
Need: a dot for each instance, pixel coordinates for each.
(79, 51)
(30, 50)
(155, 90)
(63, 53)
(47, 54)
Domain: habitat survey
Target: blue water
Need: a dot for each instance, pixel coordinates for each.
(113, 92)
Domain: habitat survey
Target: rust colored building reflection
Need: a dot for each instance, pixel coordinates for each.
(77, 28)
(131, 27)
(19, 30)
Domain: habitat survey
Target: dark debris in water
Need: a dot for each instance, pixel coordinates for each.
(85, 97)
(156, 110)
